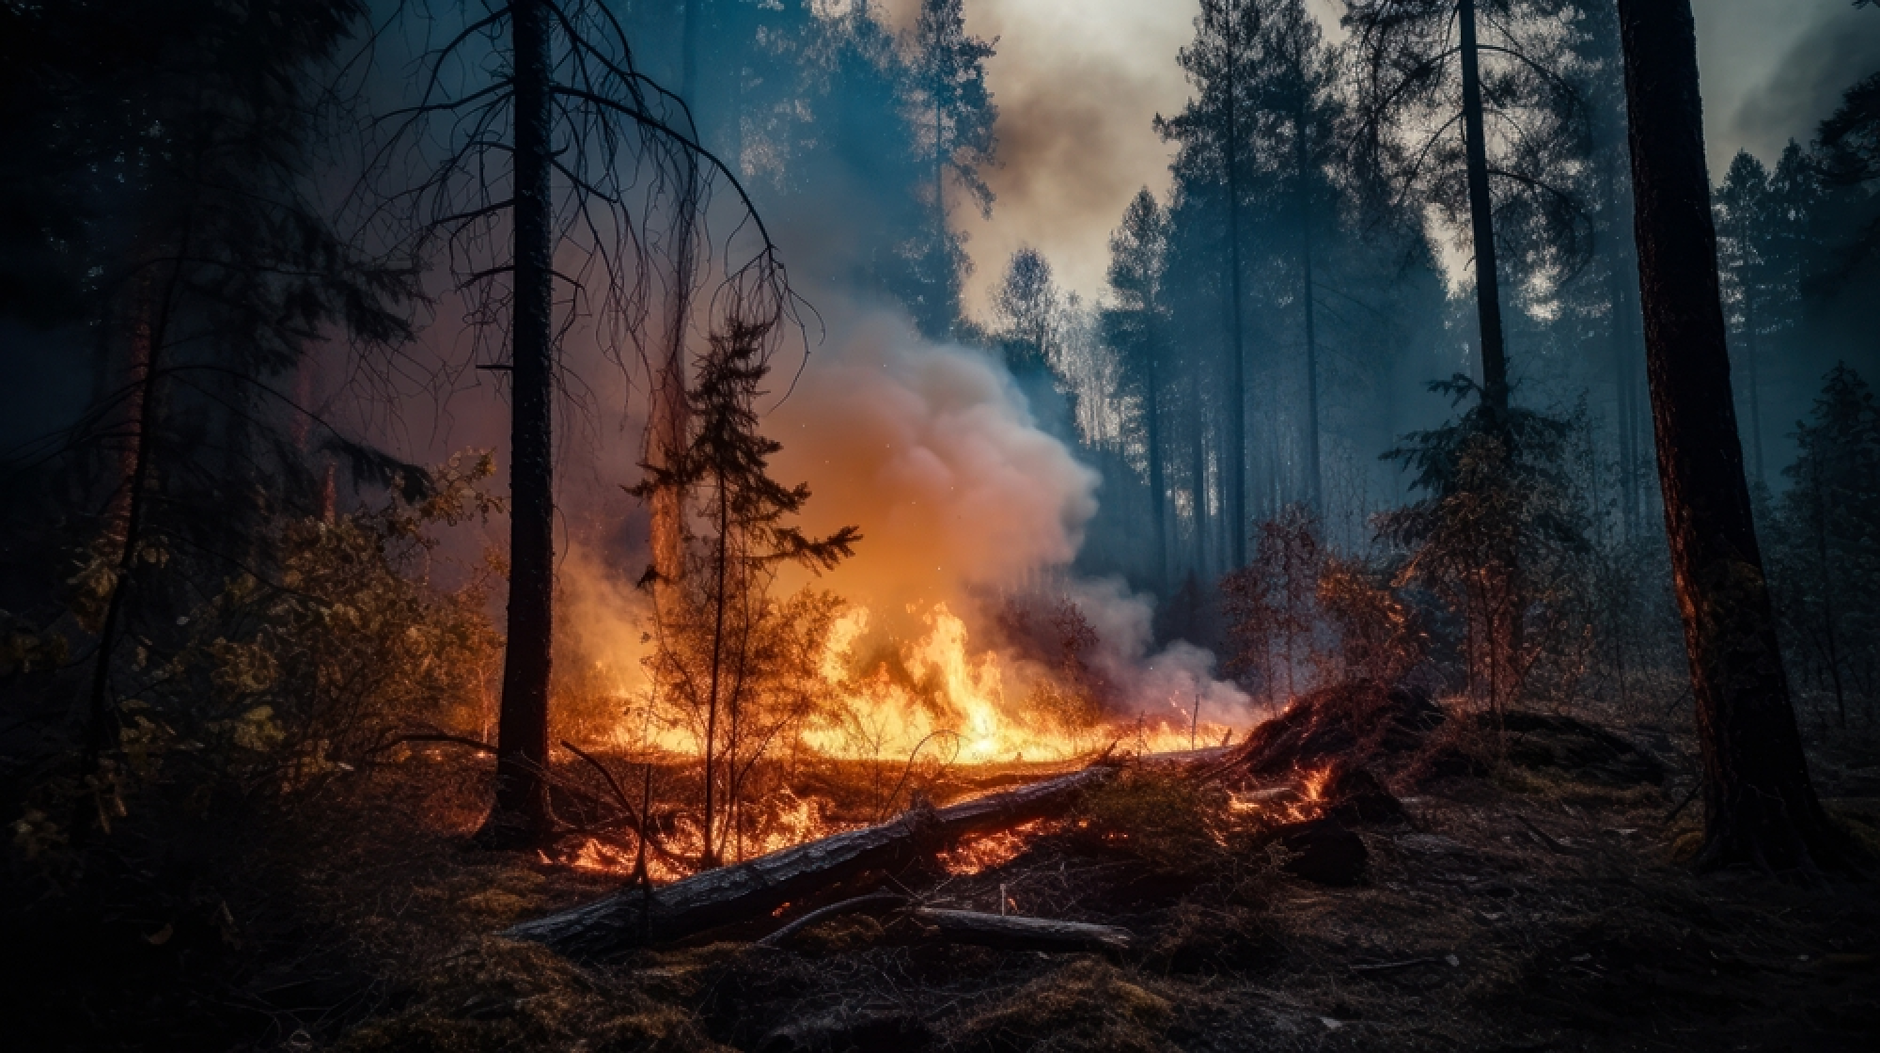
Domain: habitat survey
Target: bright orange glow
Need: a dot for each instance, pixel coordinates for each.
(967, 706)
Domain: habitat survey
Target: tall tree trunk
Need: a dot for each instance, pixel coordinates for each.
(1152, 424)
(1198, 470)
(520, 817)
(1315, 483)
(1234, 466)
(127, 516)
(669, 412)
(1625, 394)
(1750, 350)
(1759, 805)
(1481, 223)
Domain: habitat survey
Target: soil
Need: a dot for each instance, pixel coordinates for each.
(1542, 905)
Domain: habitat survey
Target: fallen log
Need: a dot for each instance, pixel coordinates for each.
(639, 917)
(1013, 933)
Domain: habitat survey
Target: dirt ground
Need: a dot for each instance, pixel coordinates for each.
(1541, 906)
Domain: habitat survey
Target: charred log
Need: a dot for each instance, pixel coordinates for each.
(635, 917)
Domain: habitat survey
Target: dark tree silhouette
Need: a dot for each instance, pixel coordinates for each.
(1212, 133)
(595, 149)
(1427, 66)
(1760, 807)
(956, 116)
(1136, 326)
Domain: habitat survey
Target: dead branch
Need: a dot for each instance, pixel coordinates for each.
(1010, 932)
(1385, 967)
(1552, 844)
(858, 905)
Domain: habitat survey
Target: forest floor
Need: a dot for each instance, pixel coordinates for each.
(1540, 907)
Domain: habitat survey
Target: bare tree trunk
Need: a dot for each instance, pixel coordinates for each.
(666, 430)
(1481, 223)
(1235, 464)
(1198, 471)
(1625, 409)
(1759, 805)
(521, 815)
(1314, 475)
(1152, 425)
(1750, 351)
(126, 520)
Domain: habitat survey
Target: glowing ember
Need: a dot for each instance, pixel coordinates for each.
(990, 851)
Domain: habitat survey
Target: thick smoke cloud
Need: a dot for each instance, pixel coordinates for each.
(1078, 86)
(931, 450)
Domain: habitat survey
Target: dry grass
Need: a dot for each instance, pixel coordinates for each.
(1530, 909)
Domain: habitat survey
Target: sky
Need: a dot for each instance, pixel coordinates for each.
(1078, 83)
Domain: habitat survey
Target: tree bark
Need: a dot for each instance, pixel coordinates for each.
(1152, 424)
(635, 917)
(1759, 805)
(1481, 223)
(520, 816)
(1315, 483)
(1235, 466)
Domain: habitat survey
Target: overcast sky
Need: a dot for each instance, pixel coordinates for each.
(1077, 83)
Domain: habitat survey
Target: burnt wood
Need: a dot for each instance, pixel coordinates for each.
(634, 917)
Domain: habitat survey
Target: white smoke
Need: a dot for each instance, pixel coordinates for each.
(933, 452)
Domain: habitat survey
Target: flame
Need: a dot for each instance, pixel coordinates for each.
(992, 850)
(1290, 803)
(958, 703)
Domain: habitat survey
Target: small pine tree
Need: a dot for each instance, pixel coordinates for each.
(726, 654)
(1497, 535)
(1827, 561)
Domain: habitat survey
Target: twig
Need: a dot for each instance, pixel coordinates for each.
(847, 906)
(435, 736)
(1545, 839)
(1688, 798)
(620, 795)
(1385, 967)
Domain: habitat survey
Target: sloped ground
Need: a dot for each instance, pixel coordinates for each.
(1539, 907)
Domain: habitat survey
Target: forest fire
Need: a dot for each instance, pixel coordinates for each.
(940, 525)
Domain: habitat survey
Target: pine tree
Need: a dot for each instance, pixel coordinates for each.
(1136, 326)
(1743, 212)
(1213, 132)
(1026, 303)
(956, 115)
(1294, 117)
(588, 132)
(1417, 86)
(716, 626)
(1828, 561)
(1760, 806)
